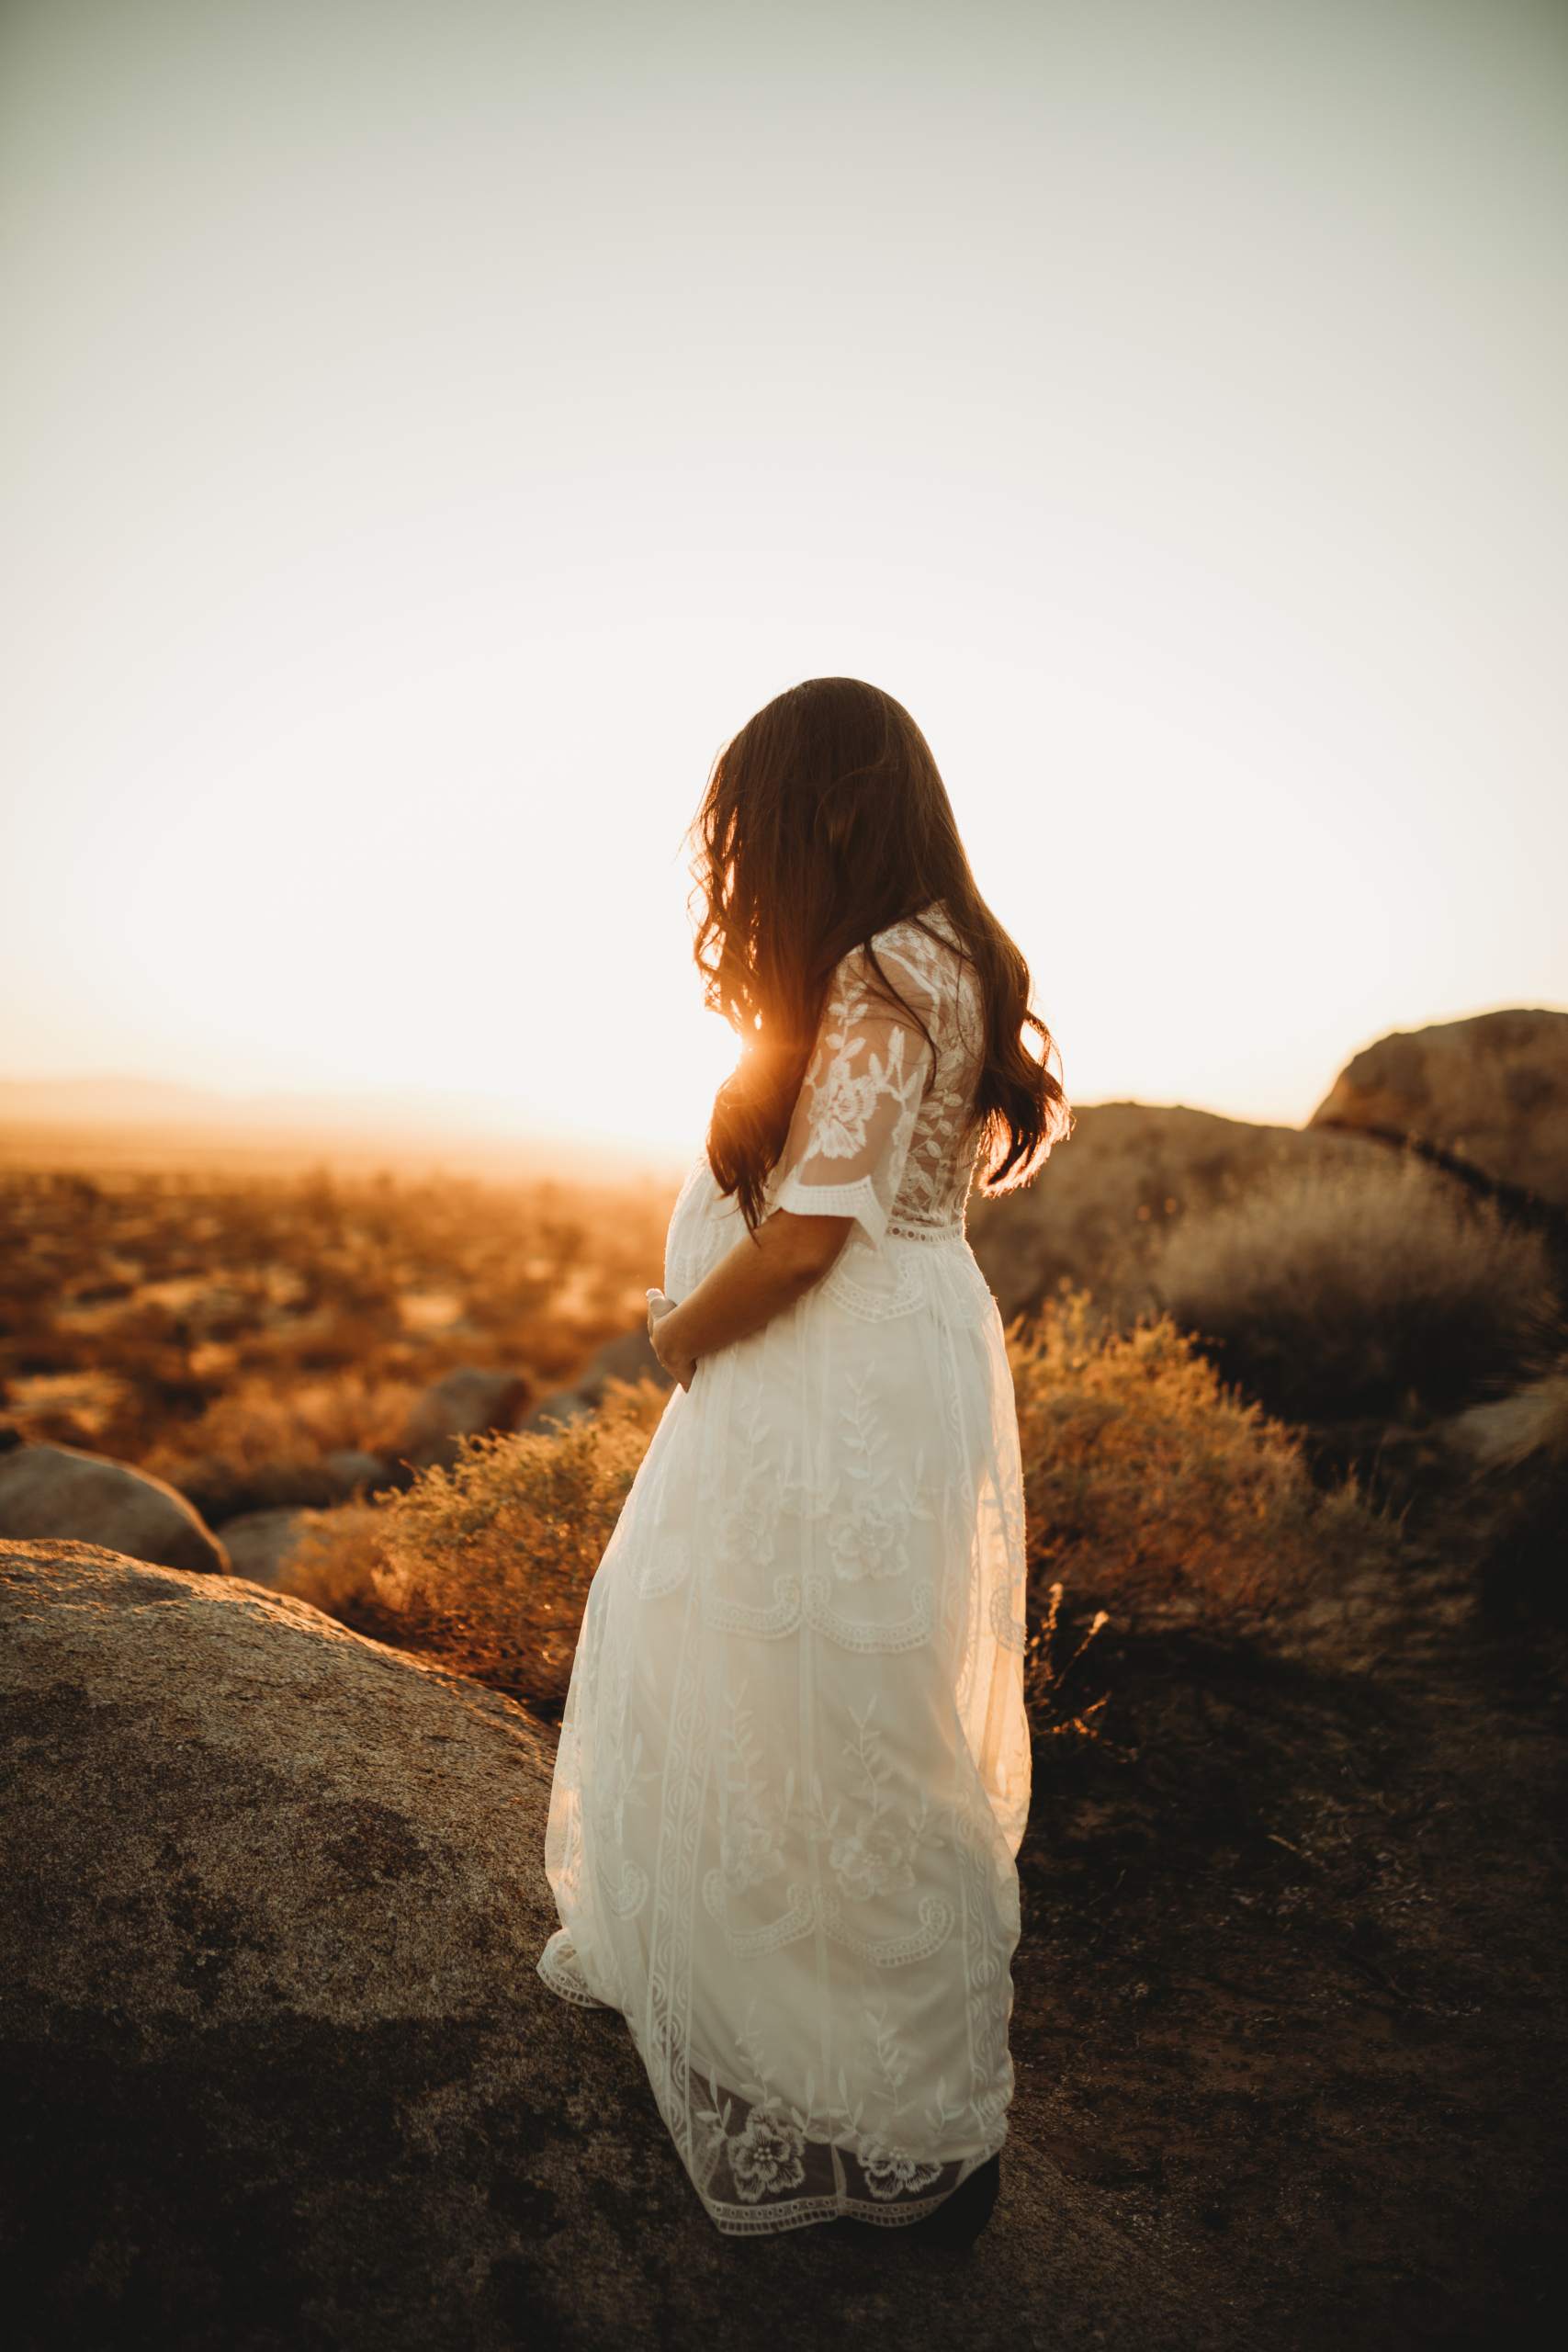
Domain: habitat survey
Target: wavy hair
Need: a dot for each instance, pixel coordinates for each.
(825, 820)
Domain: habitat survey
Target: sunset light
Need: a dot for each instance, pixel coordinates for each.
(893, 1675)
(427, 434)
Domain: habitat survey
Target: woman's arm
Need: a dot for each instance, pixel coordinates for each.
(763, 1274)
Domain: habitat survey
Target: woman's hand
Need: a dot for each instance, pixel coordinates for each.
(680, 1368)
(767, 1274)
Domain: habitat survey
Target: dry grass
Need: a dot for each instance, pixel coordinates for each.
(491, 1560)
(257, 1446)
(1147, 1480)
(1367, 1289)
(1525, 1573)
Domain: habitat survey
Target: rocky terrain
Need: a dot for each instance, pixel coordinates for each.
(1289, 2017)
(278, 2068)
(1290, 2024)
(1487, 1098)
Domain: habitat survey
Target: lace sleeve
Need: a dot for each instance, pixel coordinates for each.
(850, 1137)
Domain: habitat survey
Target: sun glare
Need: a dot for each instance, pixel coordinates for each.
(361, 675)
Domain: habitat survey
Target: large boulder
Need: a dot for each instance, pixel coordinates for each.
(465, 1403)
(1095, 1216)
(56, 1491)
(1492, 1091)
(276, 2065)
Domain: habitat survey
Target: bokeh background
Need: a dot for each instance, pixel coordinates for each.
(427, 430)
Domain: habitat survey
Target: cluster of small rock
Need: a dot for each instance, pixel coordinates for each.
(62, 1493)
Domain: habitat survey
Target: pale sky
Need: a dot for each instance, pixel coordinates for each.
(428, 428)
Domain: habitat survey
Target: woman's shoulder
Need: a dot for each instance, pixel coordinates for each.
(924, 948)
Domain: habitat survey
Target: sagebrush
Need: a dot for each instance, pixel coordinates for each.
(1144, 1479)
(257, 1446)
(499, 1550)
(1365, 1288)
(1148, 1480)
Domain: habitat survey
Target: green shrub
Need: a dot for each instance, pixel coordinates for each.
(1367, 1288)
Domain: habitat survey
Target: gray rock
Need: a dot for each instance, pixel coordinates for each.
(1096, 1214)
(258, 1545)
(465, 1404)
(276, 2066)
(355, 1472)
(1492, 1091)
(55, 1491)
(630, 1358)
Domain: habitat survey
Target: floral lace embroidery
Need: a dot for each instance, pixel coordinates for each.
(868, 1537)
(765, 2158)
(879, 1099)
(628, 1782)
(743, 1530)
(872, 1305)
(894, 2172)
(877, 1856)
(831, 1526)
(844, 1101)
(751, 1825)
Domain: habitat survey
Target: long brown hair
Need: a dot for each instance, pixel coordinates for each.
(825, 822)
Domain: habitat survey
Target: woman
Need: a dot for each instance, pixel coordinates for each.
(793, 1770)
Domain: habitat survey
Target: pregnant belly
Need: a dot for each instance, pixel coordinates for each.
(703, 1228)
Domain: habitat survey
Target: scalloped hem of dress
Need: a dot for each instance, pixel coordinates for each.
(558, 1968)
(802, 2212)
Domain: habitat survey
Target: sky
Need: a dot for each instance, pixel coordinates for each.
(428, 429)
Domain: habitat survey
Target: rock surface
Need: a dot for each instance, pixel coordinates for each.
(465, 1404)
(1094, 1215)
(1492, 1090)
(259, 1543)
(57, 1493)
(630, 1358)
(277, 2071)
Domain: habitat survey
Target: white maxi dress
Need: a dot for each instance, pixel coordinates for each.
(793, 1767)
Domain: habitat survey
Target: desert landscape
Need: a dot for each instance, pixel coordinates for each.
(448, 451)
(304, 1474)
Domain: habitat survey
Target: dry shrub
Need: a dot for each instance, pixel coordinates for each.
(339, 1559)
(1359, 1289)
(1524, 1571)
(259, 1446)
(1147, 1480)
(491, 1560)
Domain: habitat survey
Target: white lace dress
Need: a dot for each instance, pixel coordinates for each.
(794, 1769)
